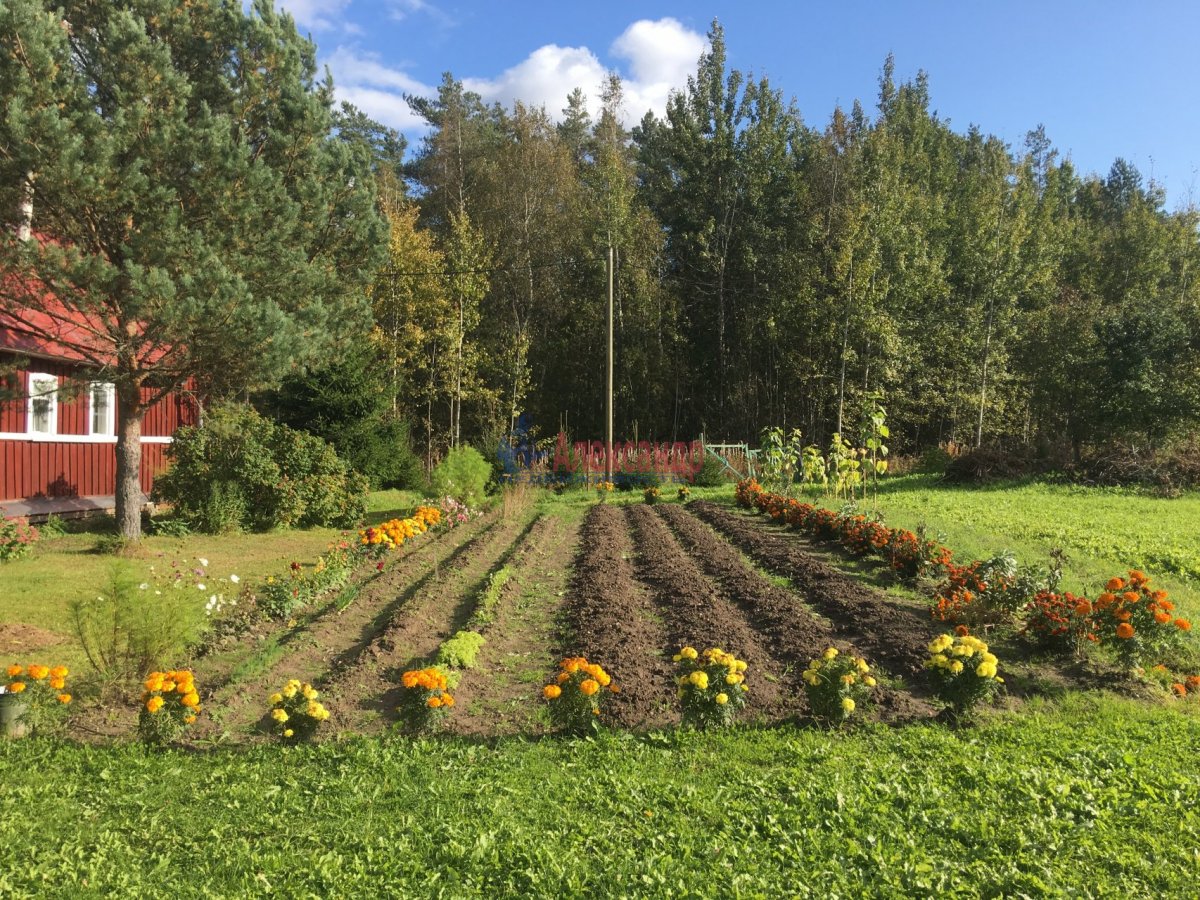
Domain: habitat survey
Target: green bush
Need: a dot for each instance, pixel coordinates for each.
(461, 651)
(712, 472)
(463, 475)
(243, 471)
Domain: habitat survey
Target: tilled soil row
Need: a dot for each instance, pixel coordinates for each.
(887, 632)
(792, 632)
(363, 689)
(610, 619)
(698, 614)
(335, 636)
(502, 694)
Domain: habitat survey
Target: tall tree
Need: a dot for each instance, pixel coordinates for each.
(201, 215)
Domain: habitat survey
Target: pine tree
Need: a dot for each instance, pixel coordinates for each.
(199, 210)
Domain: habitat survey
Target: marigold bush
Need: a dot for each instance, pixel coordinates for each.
(965, 672)
(712, 686)
(392, 534)
(652, 494)
(170, 704)
(836, 685)
(1062, 622)
(576, 696)
(43, 689)
(296, 711)
(425, 700)
(1138, 621)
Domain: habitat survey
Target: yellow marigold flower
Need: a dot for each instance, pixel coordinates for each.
(940, 643)
(731, 679)
(848, 678)
(289, 692)
(192, 699)
(293, 683)
(60, 672)
(309, 692)
(184, 687)
(64, 698)
(869, 681)
(722, 699)
(812, 678)
(956, 667)
(279, 715)
(154, 704)
(861, 665)
(831, 653)
(189, 720)
(675, 658)
(15, 671)
(847, 705)
(276, 698)
(986, 670)
(936, 661)
(699, 679)
(589, 686)
(287, 732)
(603, 677)
(167, 687)
(688, 653)
(314, 709)
(37, 673)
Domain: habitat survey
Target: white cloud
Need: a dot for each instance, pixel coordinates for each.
(660, 56)
(318, 15)
(376, 89)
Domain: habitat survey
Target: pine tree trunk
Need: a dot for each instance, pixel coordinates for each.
(129, 464)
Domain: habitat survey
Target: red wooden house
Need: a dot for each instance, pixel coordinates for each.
(58, 427)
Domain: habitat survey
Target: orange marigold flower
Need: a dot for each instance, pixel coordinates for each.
(1162, 618)
(154, 704)
(962, 630)
(1083, 608)
(1131, 597)
(16, 687)
(1115, 584)
(589, 686)
(1183, 624)
(1179, 689)
(15, 671)
(58, 683)
(1106, 599)
(1124, 631)
(433, 702)
(1123, 616)
(60, 672)
(1193, 681)
(64, 698)
(551, 691)
(447, 700)
(37, 673)
(1136, 577)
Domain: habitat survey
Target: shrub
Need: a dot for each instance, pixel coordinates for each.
(44, 690)
(461, 651)
(17, 538)
(1060, 622)
(242, 471)
(296, 712)
(964, 672)
(1137, 620)
(170, 704)
(712, 686)
(132, 627)
(652, 493)
(836, 685)
(712, 472)
(685, 493)
(988, 464)
(424, 701)
(576, 695)
(463, 475)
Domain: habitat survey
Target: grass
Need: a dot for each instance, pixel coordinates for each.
(1061, 801)
(1105, 531)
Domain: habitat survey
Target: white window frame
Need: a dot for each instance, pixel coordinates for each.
(42, 376)
(111, 424)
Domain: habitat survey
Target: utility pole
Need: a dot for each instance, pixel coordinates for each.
(608, 436)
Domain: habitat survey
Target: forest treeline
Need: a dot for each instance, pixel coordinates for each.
(773, 271)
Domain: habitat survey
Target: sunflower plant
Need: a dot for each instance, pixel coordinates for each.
(712, 686)
(170, 705)
(43, 691)
(296, 711)
(425, 700)
(965, 672)
(576, 696)
(836, 685)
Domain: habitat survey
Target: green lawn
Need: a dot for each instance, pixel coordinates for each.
(1105, 531)
(37, 590)
(1089, 799)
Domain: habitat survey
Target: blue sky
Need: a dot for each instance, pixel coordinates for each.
(1106, 78)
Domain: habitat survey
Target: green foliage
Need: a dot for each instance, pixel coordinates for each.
(463, 475)
(781, 457)
(281, 596)
(964, 672)
(712, 472)
(347, 403)
(711, 686)
(460, 651)
(1098, 780)
(837, 686)
(489, 597)
(240, 470)
(129, 627)
(17, 539)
